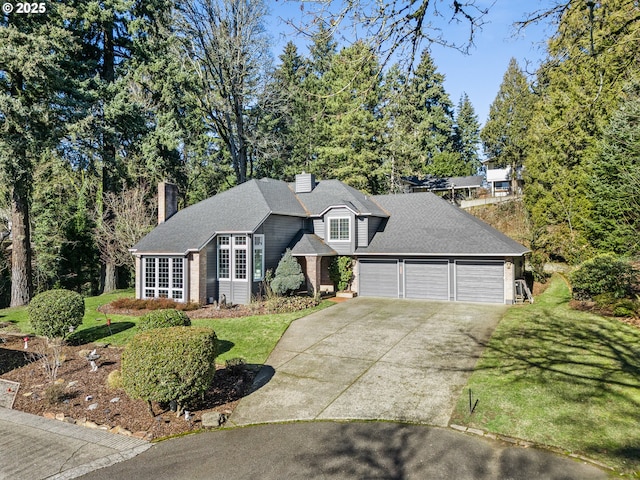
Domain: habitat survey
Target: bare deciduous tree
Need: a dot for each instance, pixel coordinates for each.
(130, 218)
(228, 48)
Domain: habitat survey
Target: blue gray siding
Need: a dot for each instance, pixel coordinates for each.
(343, 248)
(363, 232)
(212, 270)
(278, 232)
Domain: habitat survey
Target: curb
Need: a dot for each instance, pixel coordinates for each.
(527, 444)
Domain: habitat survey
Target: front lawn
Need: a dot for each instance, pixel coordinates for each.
(559, 377)
(251, 338)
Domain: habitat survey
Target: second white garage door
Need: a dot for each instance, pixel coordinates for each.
(427, 279)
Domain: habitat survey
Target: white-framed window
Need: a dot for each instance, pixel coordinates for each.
(224, 257)
(339, 229)
(258, 257)
(240, 258)
(164, 277)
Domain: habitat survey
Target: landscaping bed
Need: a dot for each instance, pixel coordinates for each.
(113, 409)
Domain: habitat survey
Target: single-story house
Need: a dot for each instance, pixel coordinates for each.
(404, 246)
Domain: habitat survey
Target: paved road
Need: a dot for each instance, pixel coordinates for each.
(343, 451)
(372, 359)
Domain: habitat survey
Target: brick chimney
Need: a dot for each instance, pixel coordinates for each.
(167, 201)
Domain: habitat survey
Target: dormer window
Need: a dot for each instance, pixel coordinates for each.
(340, 229)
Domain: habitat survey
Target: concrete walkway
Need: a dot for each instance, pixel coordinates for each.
(35, 448)
(372, 359)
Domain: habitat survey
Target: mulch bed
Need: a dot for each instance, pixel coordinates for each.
(113, 408)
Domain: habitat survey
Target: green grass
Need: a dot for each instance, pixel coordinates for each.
(562, 378)
(250, 338)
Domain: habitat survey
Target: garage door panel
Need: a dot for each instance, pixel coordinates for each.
(427, 280)
(480, 281)
(378, 278)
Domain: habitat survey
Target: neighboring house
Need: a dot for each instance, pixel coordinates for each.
(464, 187)
(500, 180)
(404, 246)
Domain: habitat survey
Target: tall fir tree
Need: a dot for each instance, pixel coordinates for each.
(505, 133)
(350, 128)
(615, 180)
(38, 91)
(467, 136)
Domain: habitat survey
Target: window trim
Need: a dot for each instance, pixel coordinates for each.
(258, 248)
(173, 276)
(227, 247)
(240, 247)
(338, 219)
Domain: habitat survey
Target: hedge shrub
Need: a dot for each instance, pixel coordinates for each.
(176, 363)
(53, 313)
(341, 272)
(603, 274)
(163, 319)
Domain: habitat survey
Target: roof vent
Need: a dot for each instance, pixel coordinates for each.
(305, 182)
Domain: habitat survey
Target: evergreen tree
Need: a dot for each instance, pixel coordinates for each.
(615, 180)
(351, 128)
(467, 136)
(37, 94)
(590, 58)
(422, 122)
(504, 135)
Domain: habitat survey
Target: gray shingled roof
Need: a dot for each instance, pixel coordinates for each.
(423, 223)
(240, 209)
(305, 243)
(329, 193)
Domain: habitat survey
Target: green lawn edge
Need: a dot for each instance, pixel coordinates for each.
(563, 378)
(250, 338)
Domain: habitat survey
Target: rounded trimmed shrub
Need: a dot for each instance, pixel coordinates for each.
(54, 313)
(175, 363)
(603, 274)
(163, 319)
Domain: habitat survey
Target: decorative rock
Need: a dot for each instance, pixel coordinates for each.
(139, 435)
(60, 416)
(93, 406)
(28, 394)
(88, 398)
(69, 420)
(90, 424)
(72, 384)
(115, 400)
(49, 415)
(115, 429)
(59, 381)
(103, 427)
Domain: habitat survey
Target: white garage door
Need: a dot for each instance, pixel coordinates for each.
(478, 281)
(378, 278)
(427, 279)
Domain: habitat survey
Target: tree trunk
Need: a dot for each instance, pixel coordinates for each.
(110, 278)
(21, 248)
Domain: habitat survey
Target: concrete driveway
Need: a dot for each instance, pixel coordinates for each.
(401, 360)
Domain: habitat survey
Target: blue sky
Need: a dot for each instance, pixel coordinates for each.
(478, 73)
